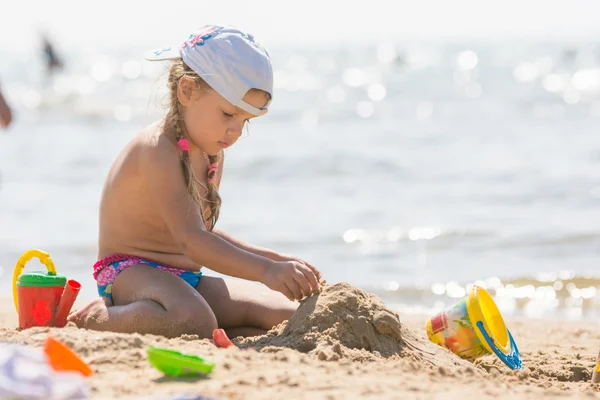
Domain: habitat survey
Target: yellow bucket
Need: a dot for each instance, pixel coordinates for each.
(473, 328)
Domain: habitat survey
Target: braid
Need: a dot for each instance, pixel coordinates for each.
(212, 197)
(174, 118)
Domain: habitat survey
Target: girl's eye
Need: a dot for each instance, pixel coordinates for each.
(227, 115)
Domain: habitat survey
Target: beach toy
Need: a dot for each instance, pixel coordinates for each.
(66, 302)
(26, 374)
(175, 363)
(42, 298)
(62, 358)
(473, 328)
(220, 338)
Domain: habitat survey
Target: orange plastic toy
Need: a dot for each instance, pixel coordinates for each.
(220, 338)
(62, 358)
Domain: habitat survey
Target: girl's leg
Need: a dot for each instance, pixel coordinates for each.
(244, 308)
(148, 300)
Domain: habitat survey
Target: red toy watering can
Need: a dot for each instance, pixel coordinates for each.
(42, 298)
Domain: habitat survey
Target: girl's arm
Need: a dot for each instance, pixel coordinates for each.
(261, 251)
(264, 252)
(160, 167)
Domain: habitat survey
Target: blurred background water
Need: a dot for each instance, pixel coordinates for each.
(411, 169)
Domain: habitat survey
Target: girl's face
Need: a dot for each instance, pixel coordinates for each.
(212, 122)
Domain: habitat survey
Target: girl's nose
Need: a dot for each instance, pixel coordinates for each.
(235, 129)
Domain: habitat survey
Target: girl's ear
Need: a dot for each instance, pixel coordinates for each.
(185, 90)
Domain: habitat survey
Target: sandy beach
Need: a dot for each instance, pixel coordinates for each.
(317, 355)
(410, 154)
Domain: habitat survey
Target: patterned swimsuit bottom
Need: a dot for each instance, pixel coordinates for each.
(107, 269)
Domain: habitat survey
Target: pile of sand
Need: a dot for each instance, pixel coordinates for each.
(342, 321)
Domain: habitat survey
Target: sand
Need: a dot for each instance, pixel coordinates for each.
(342, 343)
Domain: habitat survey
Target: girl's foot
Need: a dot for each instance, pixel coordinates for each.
(92, 315)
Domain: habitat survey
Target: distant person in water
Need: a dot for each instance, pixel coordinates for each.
(5, 113)
(53, 62)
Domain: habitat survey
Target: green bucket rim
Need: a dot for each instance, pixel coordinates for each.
(41, 279)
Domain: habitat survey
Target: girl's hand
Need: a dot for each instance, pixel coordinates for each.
(283, 257)
(292, 278)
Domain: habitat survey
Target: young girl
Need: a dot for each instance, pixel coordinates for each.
(160, 204)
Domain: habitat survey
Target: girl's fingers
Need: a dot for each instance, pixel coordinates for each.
(302, 282)
(309, 277)
(294, 290)
(315, 271)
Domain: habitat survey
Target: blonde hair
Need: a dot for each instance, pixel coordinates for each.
(174, 119)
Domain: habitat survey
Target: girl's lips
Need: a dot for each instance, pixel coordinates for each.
(223, 144)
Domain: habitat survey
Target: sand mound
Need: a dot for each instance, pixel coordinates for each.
(342, 321)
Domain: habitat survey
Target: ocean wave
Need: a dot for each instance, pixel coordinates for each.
(552, 294)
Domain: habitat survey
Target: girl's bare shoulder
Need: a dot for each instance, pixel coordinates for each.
(153, 141)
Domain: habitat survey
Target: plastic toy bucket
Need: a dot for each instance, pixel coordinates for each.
(37, 294)
(473, 328)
